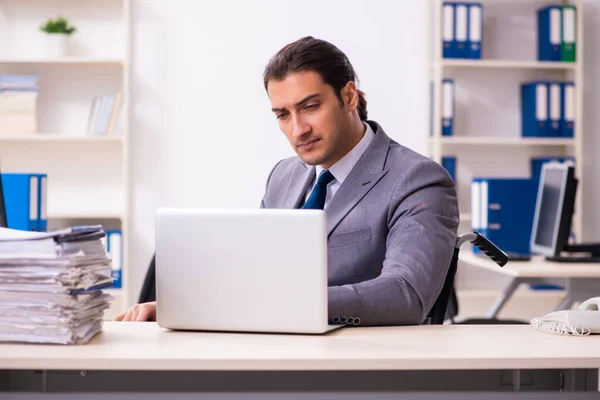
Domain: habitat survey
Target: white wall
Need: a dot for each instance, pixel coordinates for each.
(202, 131)
(591, 121)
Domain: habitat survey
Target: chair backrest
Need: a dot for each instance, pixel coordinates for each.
(148, 292)
(437, 315)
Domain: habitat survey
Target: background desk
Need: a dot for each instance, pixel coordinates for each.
(143, 357)
(581, 280)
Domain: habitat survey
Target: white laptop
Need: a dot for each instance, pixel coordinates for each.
(246, 270)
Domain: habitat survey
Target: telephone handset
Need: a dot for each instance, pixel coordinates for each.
(580, 322)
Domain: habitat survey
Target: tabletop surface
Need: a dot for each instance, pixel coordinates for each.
(146, 346)
(537, 267)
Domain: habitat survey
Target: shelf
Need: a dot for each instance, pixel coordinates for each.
(514, 64)
(62, 61)
(506, 141)
(43, 137)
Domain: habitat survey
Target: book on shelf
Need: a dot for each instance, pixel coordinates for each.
(104, 116)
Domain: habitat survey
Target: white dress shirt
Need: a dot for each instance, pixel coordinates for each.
(341, 169)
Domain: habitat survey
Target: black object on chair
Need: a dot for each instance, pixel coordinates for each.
(452, 311)
(148, 292)
(446, 305)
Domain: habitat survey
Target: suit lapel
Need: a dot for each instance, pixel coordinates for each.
(367, 172)
(348, 195)
(301, 179)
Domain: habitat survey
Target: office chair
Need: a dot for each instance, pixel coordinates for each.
(148, 292)
(446, 305)
(453, 308)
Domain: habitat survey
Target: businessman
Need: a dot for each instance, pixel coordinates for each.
(392, 213)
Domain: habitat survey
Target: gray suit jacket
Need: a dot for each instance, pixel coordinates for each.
(391, 231)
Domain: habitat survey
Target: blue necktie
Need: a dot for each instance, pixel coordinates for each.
(316, 200)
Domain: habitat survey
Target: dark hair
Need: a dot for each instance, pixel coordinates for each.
(310, 54)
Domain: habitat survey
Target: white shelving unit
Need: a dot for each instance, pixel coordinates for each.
(61, 61)
(505, 141)
(57, 137)
(88, 176)
(487, 132)
(505, 64)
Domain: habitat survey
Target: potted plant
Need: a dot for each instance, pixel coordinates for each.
(58, 32)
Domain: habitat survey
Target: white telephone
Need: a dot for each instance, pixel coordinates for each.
(580, 322)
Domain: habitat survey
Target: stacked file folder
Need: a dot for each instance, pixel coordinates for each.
(462, 29)
(557, 33)
(548, 109)
(51, 285)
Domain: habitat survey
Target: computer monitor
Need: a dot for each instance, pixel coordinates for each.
(3, 218)
(554, 209)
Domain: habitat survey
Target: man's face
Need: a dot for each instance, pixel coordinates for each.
(311, 117)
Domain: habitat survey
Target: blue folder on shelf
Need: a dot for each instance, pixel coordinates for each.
(114, 247)
(449, 163)
(42, 202)
(448, 31)
(475, 34)
(461, 30)
(567, 109)
(21, 199)
(549, 33)
(534, 109)
(502, 210)
(554, 109)
(447, 107)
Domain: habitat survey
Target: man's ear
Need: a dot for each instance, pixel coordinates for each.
(350, 96)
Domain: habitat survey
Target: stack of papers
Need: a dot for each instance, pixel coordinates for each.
(51, 285)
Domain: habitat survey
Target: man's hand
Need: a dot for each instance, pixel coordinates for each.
(139, 312)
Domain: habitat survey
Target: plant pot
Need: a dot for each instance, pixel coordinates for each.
(56, 44)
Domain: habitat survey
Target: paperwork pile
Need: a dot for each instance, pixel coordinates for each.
(51, 285)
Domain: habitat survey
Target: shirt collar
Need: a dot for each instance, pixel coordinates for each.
(342, 168)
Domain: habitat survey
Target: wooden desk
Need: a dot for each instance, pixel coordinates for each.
(145, 357)
(582, 280)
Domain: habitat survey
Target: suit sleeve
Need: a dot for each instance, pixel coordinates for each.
(422, 226)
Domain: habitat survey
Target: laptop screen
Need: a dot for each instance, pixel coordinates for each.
(554, 208)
